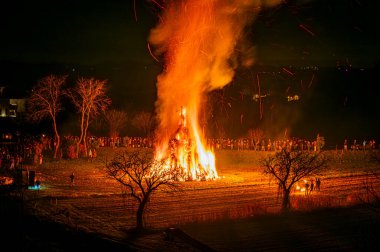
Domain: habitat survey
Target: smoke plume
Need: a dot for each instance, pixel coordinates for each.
(197, 40)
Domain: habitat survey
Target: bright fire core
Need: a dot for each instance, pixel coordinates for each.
(188, 155)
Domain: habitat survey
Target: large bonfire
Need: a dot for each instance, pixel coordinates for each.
(197, 39)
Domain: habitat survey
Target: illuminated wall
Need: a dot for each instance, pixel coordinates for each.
(11, 107)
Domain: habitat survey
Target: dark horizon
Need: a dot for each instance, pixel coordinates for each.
(337, 103)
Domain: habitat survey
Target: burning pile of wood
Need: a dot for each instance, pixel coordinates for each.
(184, 154)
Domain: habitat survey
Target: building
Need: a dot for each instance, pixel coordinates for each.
(11, 107)
(12, 114)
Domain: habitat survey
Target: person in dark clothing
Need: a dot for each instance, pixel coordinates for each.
(72, 176)
(311, 186)
(318, 184)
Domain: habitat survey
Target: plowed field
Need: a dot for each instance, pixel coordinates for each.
(97, 204)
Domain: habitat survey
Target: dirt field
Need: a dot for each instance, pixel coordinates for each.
(96, 204)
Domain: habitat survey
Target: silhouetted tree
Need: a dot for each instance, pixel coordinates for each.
(371, 196)
(144, 122)
(89, 97)
(141, 175)
(116, 120)
(289, 167)
(45, 102)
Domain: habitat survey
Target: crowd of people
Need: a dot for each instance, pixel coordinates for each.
(310, 187)
(263, 144)
(13, 154)
(32, 148)
(266, 144)
(291, 144)
(356, 145)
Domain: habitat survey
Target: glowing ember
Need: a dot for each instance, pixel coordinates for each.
(197, 39)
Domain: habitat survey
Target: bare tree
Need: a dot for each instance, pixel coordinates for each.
(141, 175)
(371, 196)
(45, 102)
(289, 167)
(116, 120)
(89, 97)
(144, 122)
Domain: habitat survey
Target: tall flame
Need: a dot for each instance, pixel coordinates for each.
(197, 39)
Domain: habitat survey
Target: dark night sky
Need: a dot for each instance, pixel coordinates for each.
(340, 30)
(102, 39)
(73, 31)
(85, 31)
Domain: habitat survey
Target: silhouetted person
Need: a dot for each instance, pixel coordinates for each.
(72, 178)
(38, 183)
(306, 188)
(318, 184)
(311, 186)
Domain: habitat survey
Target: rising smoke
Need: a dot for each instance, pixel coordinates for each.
(197, 40)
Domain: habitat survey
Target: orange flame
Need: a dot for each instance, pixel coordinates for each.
(197, 39)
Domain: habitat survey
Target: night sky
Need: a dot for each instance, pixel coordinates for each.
(85, 32)
(82, 31)
(108, 40)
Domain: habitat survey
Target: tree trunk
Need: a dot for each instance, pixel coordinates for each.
(56, 147)
(57, 139)
(81, 131)
(140, 213)
(286, 200)
(85, 135)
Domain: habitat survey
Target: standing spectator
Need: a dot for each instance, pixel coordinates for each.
(40, 159)
(90, 154)
(311, 186)
(345, 145)
(12, 165)
(354, 145)
(318, 184)
(38, 184)
(72, 176)
(94, 154)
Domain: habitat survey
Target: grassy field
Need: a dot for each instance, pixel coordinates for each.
(236, 212)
